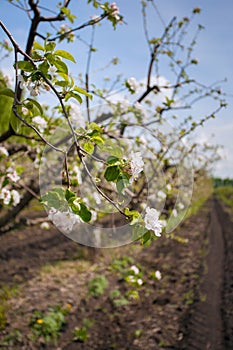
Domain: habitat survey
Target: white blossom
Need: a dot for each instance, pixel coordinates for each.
(124, 105)
(136, 165)
(161, 195)
(152, 221)
(132, 84)
(24, 110)
(181, 206)
(115, 10)
(93, 215)
(15, 197)
(12, 174)
(34, 91)
(131, 279)
(45, 225)
(53, 71)
(77, 172)
(96, 197)
(41, 123)
(3, 151)
(21, 81)
(135, 269)
(63, 220)
(5, 195)
(139, 107)
(158, 275)
(65, 30)
(77, 116)
(39, 161)
(169, 187)
(140, 282)
(174, 213)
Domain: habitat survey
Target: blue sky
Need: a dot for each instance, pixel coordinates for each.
(214, 52)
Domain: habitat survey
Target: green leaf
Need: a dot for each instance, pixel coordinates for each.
(111, 147)
(15, 122)
(7, 92)
(61, 66)
(52, 199)
(84, 213)
(65, 54)
(94, 126)
(122, 182)
(5, 115)
(89, 147)
(50, 46)
(61, 83)
(50, 57)
(38, 46)
(69, 194)
(26, 66)
(82, 91)
(68, 14)
(64, 76)
(37, 105)
(112, 173)
(146, 238)
(44, 67)
(72, 94)
(112, 160)
(97, 140)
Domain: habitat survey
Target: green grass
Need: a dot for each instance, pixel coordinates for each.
(5, 294)
(97, 285)
(48, 325)
(225, 194)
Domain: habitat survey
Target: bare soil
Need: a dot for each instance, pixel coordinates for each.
(189, 308)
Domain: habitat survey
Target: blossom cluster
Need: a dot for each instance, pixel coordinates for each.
(136, 164)
(134, 276)
(132, 85)
(65, 32)
(8, 196)
(115, 11)
(64, 221)
(8, 178)
(33, 86)
(152, 221)
(40, 122)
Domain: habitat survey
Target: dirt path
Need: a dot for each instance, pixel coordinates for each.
(189, 309)
(209, 323)
(24, 251)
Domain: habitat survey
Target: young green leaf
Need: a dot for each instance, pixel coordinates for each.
(52, 199)
(38, 46)
(7, 92)
(44, 67)
(82, 91)
(89, 147)
(112, 160)
(61, 66)
(122, 182)
(84, 213)
(72, 94)
(112, 173)
(146, 238)
(50, 46)
(15, 122)
(65, 54)
(69, 194)
(26, 66)
(37, 105)
(97, 140)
